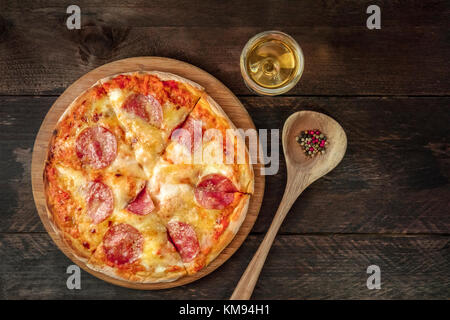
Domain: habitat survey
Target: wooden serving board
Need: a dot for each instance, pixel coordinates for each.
(227, 100)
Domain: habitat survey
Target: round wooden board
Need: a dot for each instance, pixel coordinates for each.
(227, 100)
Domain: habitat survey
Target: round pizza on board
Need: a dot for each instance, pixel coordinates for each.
(147, 179)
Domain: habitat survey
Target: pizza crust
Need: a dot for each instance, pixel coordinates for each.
(68, 241)
(164, 76)
(149, 278)
(66, 238)
(236, 220)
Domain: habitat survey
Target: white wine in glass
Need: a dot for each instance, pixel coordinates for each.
(271, 63)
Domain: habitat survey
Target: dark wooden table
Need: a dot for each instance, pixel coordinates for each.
(387, 203)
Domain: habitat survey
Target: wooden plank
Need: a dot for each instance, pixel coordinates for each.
(393, 179)
(141, 13)
(39, 55)
(306, 267)
(20, 119)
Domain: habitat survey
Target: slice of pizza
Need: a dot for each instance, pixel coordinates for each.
(89, 137)
(209, 141)
(201, 218)
(200, 194)
(150, 105)
(68, 211)
(138, 249)
(90, 171)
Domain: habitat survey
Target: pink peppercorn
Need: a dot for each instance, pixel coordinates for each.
(312, 142)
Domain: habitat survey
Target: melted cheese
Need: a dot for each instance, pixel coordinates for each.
(125, 163)
(148, 141)
(101, 106)
(222, 169)
(157, 250)
(90, 234)
(178, 153)
(116, 96)
(73, 180)
(173, 116)
(169, 191)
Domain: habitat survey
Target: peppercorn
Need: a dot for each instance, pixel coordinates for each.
(313, 142)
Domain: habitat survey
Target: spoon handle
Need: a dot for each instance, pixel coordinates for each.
(244, 289)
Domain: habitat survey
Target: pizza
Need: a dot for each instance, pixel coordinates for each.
(146, 178)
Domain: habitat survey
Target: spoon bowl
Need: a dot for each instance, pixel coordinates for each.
(321, 164)
(301, 172)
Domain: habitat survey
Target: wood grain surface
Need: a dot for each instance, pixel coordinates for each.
(344, 58)
(387, 203)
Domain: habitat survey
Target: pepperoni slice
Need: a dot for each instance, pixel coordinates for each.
(123, 243)
(97, 147)
(215, 192)
(145, 107)
(100, 201)
(185, 135)
(214, 199)
(142, 204)
(216, 182)
(184, 238)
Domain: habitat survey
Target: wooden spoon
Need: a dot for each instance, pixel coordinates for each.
(301, 172)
